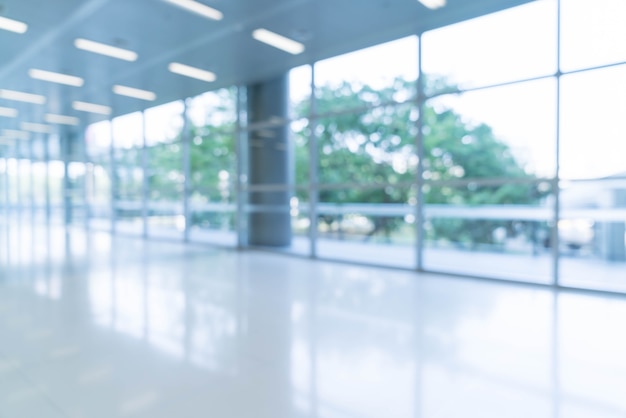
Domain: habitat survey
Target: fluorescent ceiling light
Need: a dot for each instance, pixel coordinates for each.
(13, 134)
(13, 25)
(22, 97)
(69, 80)
(198, 8)
(91, 108)
(61, 119)
(133, 92)
(103, 49)
(36, 127)
(433, 4)
(278, 41)
(8, 112)
(192, 72)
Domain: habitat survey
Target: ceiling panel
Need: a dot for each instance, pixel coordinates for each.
(161, 33)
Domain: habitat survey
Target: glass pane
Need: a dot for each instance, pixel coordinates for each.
(213, 118)
(128, 181)
(492, 49)
(499, 231)
(299, 92)
(377, 146)
(590, 33)
(367, 77)
(368, 225)
(507, 131)
(592, 234)
(593, 105)
(165, 177)
(98, 143)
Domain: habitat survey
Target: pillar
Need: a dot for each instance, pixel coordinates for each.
(269, 162)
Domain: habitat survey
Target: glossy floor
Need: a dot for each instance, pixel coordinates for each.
(99, 326)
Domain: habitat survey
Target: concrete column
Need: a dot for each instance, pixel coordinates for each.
(269, 162)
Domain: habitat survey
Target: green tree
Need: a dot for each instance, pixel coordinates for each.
(376, 145)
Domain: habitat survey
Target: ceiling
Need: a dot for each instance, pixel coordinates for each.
(161, 33)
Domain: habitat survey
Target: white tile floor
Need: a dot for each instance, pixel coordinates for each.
(94, 326)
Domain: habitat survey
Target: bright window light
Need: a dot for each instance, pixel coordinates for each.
(13, 25)
(192, 72)
(36, 127)
(8, 112)
(278, 41)
(103, 49)
(61, 119)
(198, 8)
(14, 134)
(91, 108)
(133, 92)
(69, 80)
(22, 97)
(433, 4)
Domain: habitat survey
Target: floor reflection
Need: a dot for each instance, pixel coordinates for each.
(117, 326)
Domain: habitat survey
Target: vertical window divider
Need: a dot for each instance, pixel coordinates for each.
(114, 180)
(419, 179)
(46, 157)
(239, 169)
(313, 164)
(557, 183)
(144, 170)
(186, 162)
(31, 181)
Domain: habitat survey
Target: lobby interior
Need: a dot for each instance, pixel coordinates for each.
(324, 209)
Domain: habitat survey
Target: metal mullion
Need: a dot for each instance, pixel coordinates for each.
(46, 150)
(313, 169)
(114, 181)
(31, 181)
(240, 160)
(556, 184)
(487, 87)
(85, 161)
(486, 181)
(144, 182)
(419, 178)
(186, 163)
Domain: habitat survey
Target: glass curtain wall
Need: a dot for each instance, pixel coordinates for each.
(591, 168)
(480, 148)
(164, 179)
(98, 175)
(56, 173)
(489, 144)
(365, 130)
(39, 178)
(212, 119)
(128, 178)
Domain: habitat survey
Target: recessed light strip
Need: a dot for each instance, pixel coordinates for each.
(61, 119)
(278, 41)
(8, 112)
(13, 25)
(13, 134)
(192, 72)
(133, 92)
(433, 4)
(22, 97)
(91, 108)
(103, 49)
(198, 8)
(69, 80)
(36, 127)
